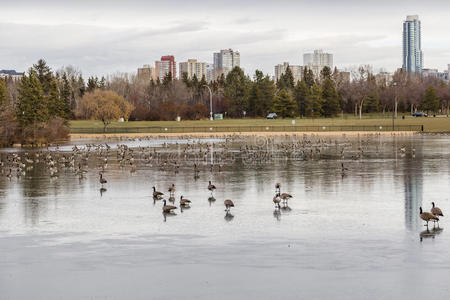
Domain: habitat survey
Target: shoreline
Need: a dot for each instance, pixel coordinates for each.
(84, 136)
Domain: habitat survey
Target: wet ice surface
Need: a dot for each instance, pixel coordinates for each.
(356, 236)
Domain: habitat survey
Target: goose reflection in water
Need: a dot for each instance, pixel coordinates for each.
(228, 216)
(211, 200)
(430, 233)
(277, 214)
(102, 190)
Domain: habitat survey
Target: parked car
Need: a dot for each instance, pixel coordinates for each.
(419, 114)
(272, 116)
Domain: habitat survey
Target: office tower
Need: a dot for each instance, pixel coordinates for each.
(192, 67)
(412, 45)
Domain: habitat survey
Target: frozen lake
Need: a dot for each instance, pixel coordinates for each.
(353, 234)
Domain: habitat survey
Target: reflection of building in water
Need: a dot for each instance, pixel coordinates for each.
(413, 181)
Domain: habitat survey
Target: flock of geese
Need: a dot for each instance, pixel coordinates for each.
(170, 157)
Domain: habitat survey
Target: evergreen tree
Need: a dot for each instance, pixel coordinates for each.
(308, 77)
(261, 95)
(237, 91)
(32, 105)
(284, 105)
(330, 96)
(325, 73)
(66, 97)
(302, 98)
(44, 74)
(92, 84)
(286, 80)
(4, 96)
(430, 102)
(371, 102)
(81, 86)
(315, 98)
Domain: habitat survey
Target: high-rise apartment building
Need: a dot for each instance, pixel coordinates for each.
(317, 60)
(297, 71)
(146, 73)
(412, 45)
(280, 69)
(225, 61)
(165, 66)
(193, 67)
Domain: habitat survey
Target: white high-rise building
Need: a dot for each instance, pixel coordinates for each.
(225, 61)
(297, 71)
(412, 45)
(317, 60)
(193, 67)
(280, 70)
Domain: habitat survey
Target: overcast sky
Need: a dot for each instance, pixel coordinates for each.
(109, 36)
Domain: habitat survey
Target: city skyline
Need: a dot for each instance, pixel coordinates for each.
(265, 35)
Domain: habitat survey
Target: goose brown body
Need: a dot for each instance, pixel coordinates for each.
(228, 203)
(156, 194)
(427, 216)
(436, 210)
(168, 208)
(211, 186)
(184, 202)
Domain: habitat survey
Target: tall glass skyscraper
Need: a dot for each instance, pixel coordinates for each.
(412, 45)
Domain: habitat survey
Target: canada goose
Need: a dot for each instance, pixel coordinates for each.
(171, 189)
(184, 202)
(156, 194)
(228, 203)
(343, 168)
(102, 180)
(285, 197)
(196, 170)
(427, 217)
(168, 208)
(211, 186)
(9, 175)
(277, 200)
(436, 210)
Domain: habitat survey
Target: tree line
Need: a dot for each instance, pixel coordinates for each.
(32, 106)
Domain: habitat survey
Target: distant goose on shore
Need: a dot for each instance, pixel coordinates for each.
(168, 208)
(211, 186)
(228, 203)
(156, 194)
(427, 217)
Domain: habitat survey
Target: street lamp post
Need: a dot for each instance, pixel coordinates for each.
(393, 108)
(210, 103)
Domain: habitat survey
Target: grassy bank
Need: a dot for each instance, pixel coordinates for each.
(438, 124)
